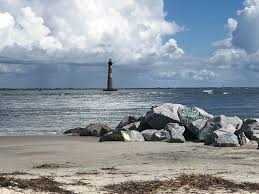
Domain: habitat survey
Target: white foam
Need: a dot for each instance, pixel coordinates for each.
(208, 91)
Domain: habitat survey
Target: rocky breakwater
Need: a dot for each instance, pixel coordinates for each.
(176, 123)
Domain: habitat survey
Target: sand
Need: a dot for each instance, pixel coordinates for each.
(84, 165)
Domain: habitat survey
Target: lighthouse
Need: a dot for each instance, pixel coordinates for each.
(109, 81)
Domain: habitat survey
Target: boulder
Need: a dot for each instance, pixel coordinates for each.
(75, 131)
(210, 138)
(193, 118)
(98, 129)
(112, 136)
(94, 129)
(159, 116)
(222, 138)
(176, 132)
(130, 126)
(132, 136)
(217, 123)
(161, 135)
(128, 120)
(250, 128)
(148, 133)
(242, 139)
(127, 136)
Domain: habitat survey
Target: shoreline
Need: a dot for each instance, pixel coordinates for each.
(69, 159)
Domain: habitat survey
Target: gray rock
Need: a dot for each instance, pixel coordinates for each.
(222, 138)
(176, 132)
(159, 116)
(127, 136)
(112, 136)
(217, 123)
(128, 120)
(242, 139)
(131, 126)
(134, 136)
(94, 129)
(194, 119)
(161, 135)
(98, 129)
(148, 133)
(250, 128)
(75, 131)
(209, 139)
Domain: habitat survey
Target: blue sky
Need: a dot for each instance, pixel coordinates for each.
(204, 19)
(155, 43)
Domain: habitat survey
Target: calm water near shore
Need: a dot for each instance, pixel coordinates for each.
(32, 112)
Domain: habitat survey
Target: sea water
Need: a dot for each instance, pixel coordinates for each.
(50, 112)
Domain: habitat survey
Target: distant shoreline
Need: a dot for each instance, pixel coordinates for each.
(129, 88)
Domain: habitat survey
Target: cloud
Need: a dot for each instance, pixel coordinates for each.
(26, 31)
(194, 75)
(245, 36)
(239, 50)
(6, 20)
(128, 31)
(231, 25)
(65, 43)
(11, 68)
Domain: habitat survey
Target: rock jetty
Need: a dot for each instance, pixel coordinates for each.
(176, 123)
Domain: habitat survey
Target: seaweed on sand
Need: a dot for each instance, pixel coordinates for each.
(43, 184)
(51, 166)
(198, 181)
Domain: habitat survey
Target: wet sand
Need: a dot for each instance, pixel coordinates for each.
(72, 159)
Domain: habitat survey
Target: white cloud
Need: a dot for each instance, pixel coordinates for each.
(11, 68)
(26, 31)
(246, 34)
(241, 47)
(93, 30)
(231, 24)
(203, 75)
(228, 56)
(6, 20)
(81, 35)
(170, 49)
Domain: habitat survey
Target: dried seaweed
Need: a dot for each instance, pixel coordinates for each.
(202, 182)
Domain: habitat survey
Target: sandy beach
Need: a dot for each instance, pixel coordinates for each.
(84, 165)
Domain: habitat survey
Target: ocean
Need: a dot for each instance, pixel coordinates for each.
(50, 112)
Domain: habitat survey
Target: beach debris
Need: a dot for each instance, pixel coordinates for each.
(120, 135)
(202, 182)
(42, 184)
(15, 173)
(94, 129)
(176, 132)
(148, 133)
(159, 116)
(52, 166)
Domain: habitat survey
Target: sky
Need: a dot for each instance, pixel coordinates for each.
(153, 43)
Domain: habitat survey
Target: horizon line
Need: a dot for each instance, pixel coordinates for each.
(122, 88)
